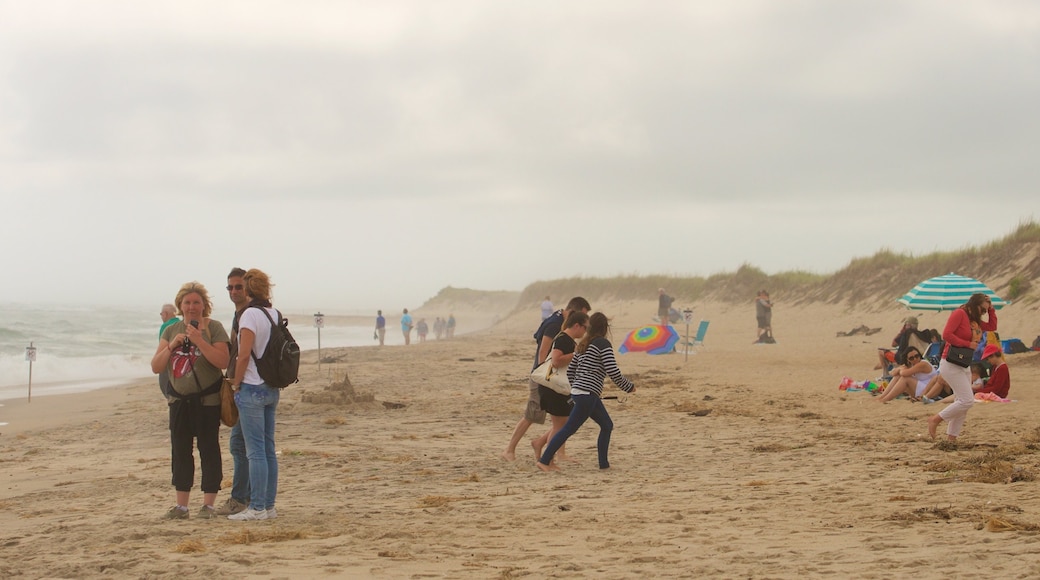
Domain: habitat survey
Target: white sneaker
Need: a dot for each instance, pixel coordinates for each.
(272, 514)
(248, 514)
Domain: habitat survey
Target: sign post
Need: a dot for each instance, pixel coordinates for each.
(688, 317)
(30, 355)
(319, 322)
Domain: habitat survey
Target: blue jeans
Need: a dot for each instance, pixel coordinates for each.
(240, 481)
(585, 407)
(256, 410)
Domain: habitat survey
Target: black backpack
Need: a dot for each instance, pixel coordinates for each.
(280, 365)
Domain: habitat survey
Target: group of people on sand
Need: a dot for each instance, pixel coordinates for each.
(953, 381)
(441, 327)
(193, 355)
(578, 342)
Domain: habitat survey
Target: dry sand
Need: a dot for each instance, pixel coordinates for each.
(784, 477)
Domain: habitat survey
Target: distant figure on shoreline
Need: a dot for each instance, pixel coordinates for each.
(406, 327)
(449, 327)
(764, 316)
(547, 307)
(438, 327)
(380, 327)
(421, 329)
(168, 314)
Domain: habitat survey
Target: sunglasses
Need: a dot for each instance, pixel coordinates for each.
(913, 357)
(235, 287)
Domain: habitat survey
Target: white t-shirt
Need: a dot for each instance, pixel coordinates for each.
(255, 320)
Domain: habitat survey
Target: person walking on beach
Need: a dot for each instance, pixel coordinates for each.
(380, 327)
(168, 314)
(556, 405)
(764, 316)
(421, 330)
(449, 326)
(257, 402)
(664, 307)
(194, 351)
(963, 328)
(406, 327)
(595, 362)
(543, 337)
(236, 442)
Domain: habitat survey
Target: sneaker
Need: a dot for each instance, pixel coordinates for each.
(230, 507)
(272, 513)
(207, 512)
(927, 401)
(176, 513)
(248, 514)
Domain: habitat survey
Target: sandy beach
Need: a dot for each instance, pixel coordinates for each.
(740, 460)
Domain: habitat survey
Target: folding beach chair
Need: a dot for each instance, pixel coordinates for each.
(698, 339)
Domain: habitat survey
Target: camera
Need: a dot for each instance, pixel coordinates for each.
(186, 347)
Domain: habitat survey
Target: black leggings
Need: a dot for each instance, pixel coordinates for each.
(191, 421)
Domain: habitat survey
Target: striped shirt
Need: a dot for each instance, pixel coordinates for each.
(589, 369)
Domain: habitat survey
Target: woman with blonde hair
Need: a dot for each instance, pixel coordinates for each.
(256, 400)
(592, 364)
(193, 351)
(964, 329)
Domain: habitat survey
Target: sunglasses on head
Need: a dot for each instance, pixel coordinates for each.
(231, 287)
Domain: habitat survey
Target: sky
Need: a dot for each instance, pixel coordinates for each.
(368, 154)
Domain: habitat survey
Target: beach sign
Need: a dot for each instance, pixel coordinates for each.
(30, 355)
(319, 323)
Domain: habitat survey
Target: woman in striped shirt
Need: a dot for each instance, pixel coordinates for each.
(593, 362)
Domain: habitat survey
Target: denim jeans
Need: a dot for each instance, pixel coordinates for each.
(256, 411)
(585, 407)
(240, 481)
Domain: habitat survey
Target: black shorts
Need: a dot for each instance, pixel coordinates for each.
(554, 403)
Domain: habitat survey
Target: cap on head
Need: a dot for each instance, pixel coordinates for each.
(911, 320)
(990, 350)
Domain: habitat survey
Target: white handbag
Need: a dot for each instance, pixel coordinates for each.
(547, 375)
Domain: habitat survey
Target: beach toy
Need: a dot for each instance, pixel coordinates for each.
(870, 386)
(846, 384)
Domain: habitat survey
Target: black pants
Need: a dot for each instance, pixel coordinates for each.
(191, 421)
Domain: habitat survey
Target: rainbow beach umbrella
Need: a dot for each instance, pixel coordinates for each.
(651, 339)
(947, 292)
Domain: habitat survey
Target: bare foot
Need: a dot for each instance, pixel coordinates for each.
(568, 459)
(537, 449)
(933, 424)
(546, 468)
(511, 456)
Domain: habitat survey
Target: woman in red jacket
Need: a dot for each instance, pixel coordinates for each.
(963, 328)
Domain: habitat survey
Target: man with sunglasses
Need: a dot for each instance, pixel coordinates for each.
(239, 499)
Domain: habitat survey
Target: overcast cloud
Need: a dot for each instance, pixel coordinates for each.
(368, 154)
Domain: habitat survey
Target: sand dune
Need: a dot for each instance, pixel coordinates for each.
(784, 476)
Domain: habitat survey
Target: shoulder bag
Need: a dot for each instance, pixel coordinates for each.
(959, 355)
(547, 375)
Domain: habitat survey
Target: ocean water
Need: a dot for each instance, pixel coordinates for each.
(81, 348)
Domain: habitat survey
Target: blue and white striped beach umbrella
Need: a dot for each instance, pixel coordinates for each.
(947, 293)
